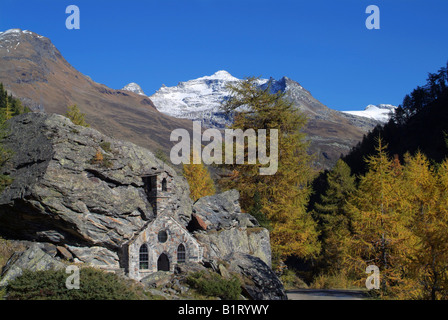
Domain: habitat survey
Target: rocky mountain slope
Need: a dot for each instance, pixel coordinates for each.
(331, 132)
(32, 69)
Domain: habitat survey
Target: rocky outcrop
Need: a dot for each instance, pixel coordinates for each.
(223, 211)
(260, 282)
(78, 196)
(59, 194)
(221, 244)
(35, 258)
(226, 230)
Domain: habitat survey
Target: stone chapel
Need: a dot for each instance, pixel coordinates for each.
(164, 243)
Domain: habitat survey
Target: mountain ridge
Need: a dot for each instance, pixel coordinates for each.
(34, 70)
(331, 132)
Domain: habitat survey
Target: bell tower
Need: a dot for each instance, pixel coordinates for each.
(158, 190)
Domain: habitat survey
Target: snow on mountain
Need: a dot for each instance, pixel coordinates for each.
(198, 99)
(381, 112)
(133, 87)
(202, 98)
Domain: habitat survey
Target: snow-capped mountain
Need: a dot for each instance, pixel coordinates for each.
(198, 99)
(201, 99)
(331, 132)
(381, 112)
(133, 87)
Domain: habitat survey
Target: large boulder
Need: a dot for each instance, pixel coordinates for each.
(259, 281)
(222, 211)
(60, 194)
(76, 206)
(223, 243)
(34, 258)
(223, 229)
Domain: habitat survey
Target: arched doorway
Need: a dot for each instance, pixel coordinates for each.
(163, 263)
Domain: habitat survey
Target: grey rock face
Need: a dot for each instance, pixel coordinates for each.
(229, 230)
(59, 195)
(261, 283)
(86, 211)
(96, 256)
(222, 244)
(33, 259)
(223, 211)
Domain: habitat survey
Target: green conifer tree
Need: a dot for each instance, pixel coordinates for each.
(331, 211)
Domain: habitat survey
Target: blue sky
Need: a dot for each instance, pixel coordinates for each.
(322, 44)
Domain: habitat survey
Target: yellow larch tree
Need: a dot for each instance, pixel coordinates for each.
(428, 193)
(381, 220)
(281, 197)
(199, 179)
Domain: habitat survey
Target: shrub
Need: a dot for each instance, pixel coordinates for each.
(159, 154)
(97, 158)
(50, 285)
(332, 281)
(291, 280)
(100, 159)
(213, 285)
(106, 146)
(75, 115)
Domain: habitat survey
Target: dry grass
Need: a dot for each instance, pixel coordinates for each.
(333, 281)
(292, 281)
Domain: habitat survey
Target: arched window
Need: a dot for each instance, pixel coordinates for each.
(181, 253)
(143, 257)
(164, 187)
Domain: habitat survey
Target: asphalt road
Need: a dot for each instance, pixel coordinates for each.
(325, 294)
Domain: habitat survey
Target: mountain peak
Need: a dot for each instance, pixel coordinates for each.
(380, 112)
(18, 32)
(220, 75)
(133, 87)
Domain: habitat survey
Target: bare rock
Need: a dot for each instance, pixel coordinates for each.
(222, 211)
(33, 259)
(259, 281)
(96, 256)
(223, 243)
(64, 253)
(59, 195)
